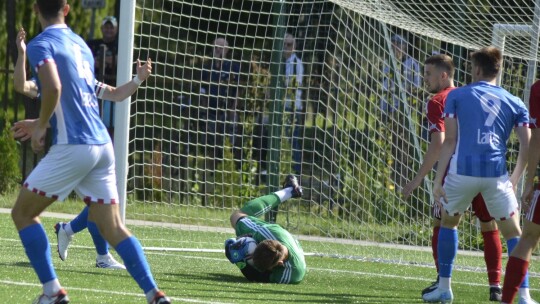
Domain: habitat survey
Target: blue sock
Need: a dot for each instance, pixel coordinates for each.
(102, 247)
(130, 250)
(447, 248)
(511, 244)
(36, 246)
(80, 222)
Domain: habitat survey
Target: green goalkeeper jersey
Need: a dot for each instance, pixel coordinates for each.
(294, 268)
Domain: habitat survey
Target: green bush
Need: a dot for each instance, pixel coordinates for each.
(9, 153)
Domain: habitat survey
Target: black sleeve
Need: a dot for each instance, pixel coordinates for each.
(253, 274)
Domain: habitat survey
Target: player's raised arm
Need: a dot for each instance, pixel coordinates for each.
(124, 91)
(21, 85)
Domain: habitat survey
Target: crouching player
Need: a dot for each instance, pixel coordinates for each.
(277, 257)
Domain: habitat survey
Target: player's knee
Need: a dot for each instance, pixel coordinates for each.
(531, 234)
(115, 235)
(235, 216)
(21, 217)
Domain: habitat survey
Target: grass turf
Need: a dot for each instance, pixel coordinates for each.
(197, 277)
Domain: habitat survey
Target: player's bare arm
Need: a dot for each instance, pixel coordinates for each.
(124, 91)
(20, 84)
(50, 97)
(447, 150)
(430, 158)
(532, 164)
(524, 136)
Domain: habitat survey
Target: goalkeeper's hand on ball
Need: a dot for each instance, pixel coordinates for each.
(239, 251)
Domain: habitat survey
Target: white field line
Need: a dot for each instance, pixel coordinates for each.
(112, 292)
(300, 237)
(310, 269)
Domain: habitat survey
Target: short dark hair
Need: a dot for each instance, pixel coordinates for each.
(267, 254)
(489, 59)
(50, 8)
(443, 62)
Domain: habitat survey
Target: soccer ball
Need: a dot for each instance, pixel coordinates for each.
(240, 250)
(251, 244)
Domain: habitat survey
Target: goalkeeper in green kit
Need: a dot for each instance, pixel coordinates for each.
(266, 252)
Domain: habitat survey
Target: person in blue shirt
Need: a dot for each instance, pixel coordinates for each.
(65, 231)
(81, 157)
(218, 118)
(479, 118)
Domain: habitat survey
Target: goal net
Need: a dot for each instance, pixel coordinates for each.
(207, 135)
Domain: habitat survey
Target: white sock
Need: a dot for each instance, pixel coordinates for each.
(67, 228)
(51, 288)
(524, 293)
(284, 194)
(444, 283)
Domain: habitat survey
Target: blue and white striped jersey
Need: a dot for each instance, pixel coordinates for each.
(486, 115)
(76, 119)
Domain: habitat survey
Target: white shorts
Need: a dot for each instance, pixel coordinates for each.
(87, 169)
(497, 192)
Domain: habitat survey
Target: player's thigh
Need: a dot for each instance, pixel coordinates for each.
(509, 227)
(533, 214)
(460, 190)
(501, 201)
(99, 184)
(61, 170)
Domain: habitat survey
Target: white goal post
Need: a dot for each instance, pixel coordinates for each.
(357, 138)
(125, 67)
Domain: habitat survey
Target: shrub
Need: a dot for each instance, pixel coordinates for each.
(9, 152)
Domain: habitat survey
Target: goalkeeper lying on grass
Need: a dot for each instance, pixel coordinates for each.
(266, 252)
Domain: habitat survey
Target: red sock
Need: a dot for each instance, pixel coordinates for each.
(434, 243)
(493, 256)
(516, 269)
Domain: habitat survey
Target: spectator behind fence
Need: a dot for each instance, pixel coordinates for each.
(401, 77)
(105, 51)
(217, 115)
(259, 82)
(294, 74)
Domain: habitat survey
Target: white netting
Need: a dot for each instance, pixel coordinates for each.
(359, 135)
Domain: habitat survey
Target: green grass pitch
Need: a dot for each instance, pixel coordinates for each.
(195, 277)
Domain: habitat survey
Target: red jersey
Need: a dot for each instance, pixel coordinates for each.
(534, 105)
(435, 110)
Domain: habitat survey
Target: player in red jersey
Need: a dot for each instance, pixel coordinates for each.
(438, 78)
(518, 263)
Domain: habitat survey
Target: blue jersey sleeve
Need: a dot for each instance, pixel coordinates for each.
(522, 117)
(450, 106)
(39, 52)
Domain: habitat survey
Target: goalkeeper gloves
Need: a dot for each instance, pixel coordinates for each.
(237, 250)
